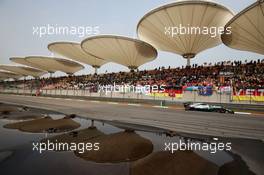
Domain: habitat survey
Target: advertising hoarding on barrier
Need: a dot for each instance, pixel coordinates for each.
(249, 95)
(174, 92)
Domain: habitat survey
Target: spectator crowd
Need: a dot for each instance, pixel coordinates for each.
(249, 74)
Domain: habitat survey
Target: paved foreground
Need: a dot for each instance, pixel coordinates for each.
(213, 124)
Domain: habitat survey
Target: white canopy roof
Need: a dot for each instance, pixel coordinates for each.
(22, 70)
(123, 50)
(7, 74)
(247, 29)
(74, 51)
(50, 64)
(154, 26)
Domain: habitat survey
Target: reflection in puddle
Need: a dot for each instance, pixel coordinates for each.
(76, 136)
(46, 124)
(124, 149)
(4, 155)
(237, 166)
(118, 147)
(186, 162)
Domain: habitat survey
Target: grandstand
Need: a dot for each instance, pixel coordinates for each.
(222, 77)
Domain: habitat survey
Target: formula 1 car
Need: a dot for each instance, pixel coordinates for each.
(189, 106)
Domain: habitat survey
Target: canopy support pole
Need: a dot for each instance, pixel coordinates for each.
(96, 67)
(188, 61)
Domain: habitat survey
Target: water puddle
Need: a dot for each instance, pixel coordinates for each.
(125, 149)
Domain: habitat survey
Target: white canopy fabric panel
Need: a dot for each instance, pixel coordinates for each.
(50, 64)
(247, 29)
(6, 74)
(22, 70)
(122, 50)
(153, 27)
(74, 51)
(21, 60)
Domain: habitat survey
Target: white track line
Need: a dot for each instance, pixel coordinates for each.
(80, 100)
(164, 107)
(49, 97)
(58, 98)
(113, 103)
(133, 104)
(243, 113)
(93, 101)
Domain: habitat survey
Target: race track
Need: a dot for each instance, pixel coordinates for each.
(178, 120)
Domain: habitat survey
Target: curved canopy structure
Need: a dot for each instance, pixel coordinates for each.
(50, 64)
(21, 60)
(22, 70)
(247, 29)
(184, 27)
(6, 74)
(122, 50)
(74, 51)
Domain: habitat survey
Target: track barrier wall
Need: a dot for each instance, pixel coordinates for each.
(186, 96)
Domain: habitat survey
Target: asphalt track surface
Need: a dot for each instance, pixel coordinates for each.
(174, 119)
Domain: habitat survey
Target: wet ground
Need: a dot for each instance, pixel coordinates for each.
(17, 156)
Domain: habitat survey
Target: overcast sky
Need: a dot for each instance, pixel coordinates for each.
(119, 17)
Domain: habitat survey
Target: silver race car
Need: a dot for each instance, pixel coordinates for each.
(189, 106)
